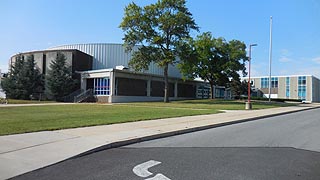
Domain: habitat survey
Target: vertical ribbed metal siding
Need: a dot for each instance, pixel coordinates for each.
(111, 55)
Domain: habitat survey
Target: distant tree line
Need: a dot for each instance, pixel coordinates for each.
(24, 79)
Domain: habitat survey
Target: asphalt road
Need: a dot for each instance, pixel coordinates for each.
(282, 147)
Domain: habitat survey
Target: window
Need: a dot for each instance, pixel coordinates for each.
(302, 87)
(287, 87)
(44, 64)
(219, 93)
(302, 80)
(274, 82)
(203, 92)
(102, 86)
(264, 82)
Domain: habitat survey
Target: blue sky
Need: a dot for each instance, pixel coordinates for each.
(38, 24)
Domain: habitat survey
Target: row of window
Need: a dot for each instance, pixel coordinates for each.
(302, 83)
(101, 86)
(265, 82)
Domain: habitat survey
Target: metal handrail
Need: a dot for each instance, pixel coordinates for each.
(84, 95)
(70, 97)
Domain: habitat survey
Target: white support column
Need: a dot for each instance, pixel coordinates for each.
(149, 88)
(176, 89)
(83, 82)
(112, 85)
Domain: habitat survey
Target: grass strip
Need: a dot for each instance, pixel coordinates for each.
(15, 120)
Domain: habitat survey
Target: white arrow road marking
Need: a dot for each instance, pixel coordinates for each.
(159, 177)
(142, 169)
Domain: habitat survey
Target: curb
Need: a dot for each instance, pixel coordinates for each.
(179, 132)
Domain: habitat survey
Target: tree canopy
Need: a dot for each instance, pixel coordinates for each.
(212, 59)
(158, 29)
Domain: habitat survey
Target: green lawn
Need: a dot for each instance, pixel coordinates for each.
(15, 120)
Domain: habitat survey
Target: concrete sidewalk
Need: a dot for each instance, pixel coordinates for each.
(26, 152)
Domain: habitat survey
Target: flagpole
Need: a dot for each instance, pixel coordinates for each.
(270, 58)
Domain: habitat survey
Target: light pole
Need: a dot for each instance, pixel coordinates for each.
(270, 58)
(248, 104)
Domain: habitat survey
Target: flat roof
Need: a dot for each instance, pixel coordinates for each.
(279, 76)
(45, 51)
(129, 72)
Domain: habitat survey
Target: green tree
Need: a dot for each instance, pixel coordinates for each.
(34, 80)
(23, 79)
(59, 80)
(212, 59)
(12, 84)
(158, 29)
(238, 88)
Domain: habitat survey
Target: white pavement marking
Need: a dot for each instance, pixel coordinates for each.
(159, 177)
(142, 169)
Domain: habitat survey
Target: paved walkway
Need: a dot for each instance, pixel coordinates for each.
(26, 152)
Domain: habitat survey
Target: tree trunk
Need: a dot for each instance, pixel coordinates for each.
(166, 84)
(212, 91)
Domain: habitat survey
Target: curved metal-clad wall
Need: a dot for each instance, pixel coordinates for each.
(106, 55)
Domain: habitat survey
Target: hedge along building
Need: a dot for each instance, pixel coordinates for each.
(102, 69)
(303, 87)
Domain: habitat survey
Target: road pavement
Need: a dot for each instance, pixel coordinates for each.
(282, 147)
(299, 130)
